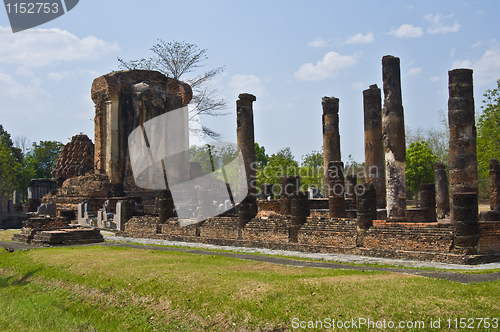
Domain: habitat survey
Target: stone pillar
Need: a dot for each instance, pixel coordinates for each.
(164, 205)
(465, 223)
(206, 208)
(394, 138)
(374, 149)
(300, 211)
(463, 160)
(127, 100)
(336, 189)
(246, 144)
(494, 184)
(352, 181)
(428, 200)
(442, 195)
(366, 211)
(331, 135)
(266, 190)
(289, 187)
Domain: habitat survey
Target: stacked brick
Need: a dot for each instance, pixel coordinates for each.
(75, 159)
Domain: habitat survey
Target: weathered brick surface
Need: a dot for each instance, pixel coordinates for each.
(429, 241)
(489, 237)
(430, 237)
(272, 230)
(330, 232)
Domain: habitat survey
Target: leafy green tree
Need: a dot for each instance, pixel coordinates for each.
(280, 163)
(10, 163)
(488, 130)
(261, 158)
(176, 60)
(419, 166)
(43, 157)
(311, 171)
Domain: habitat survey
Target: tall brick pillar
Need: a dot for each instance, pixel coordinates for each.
(494, 184)
(374, 149)
(393, 128)
(289, 187)
(331, 134)
(428, 200)
(463, 158)
(442, 194)
(246, 144)
(366, 212)
(336, 189)
(300, 211)
(463, 161)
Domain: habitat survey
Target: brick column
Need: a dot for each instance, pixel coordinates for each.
(394, 139)
(336, 189)
(465, 223)
(463, 160)
(494, 184)
(289, 187)
(246, 144)
(331, 135)
(300, 211)
(428, 200)
(266, 190)
(442, 195)
(374, 149)
(351, 183)
(366, 212)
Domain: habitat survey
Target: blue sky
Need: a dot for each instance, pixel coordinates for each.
(288, 53)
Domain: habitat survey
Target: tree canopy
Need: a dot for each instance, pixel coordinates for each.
(176, 60)
(419, 166)
(488, 130)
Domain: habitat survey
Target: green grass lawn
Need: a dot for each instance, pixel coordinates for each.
(7, 234)
(119, 289)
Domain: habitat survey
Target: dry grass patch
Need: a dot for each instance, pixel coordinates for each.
(7, 234)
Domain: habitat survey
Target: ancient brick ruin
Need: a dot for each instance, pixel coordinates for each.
(359, 215)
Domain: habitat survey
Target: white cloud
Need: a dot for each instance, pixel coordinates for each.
(415, 71)
(406, 31)
(359, 38)
(435, 79)
(452, 52)
(462, 64)
(21, 99)
(438, 26)
(318, 42)
(330, 66)
(41, 47)
(246, 84)
(357, 85)
(478, 44)
(487, 69)
(58, 76)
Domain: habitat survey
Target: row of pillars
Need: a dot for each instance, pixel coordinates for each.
(385, 155)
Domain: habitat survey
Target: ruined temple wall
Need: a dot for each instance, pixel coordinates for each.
(123, 101)
(489, 237)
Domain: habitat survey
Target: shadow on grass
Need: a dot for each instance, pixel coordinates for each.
(6, 281)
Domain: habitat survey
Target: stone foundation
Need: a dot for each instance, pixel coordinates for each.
(431, 241)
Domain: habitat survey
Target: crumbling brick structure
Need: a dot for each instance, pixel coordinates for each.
(374, 149)
(393, 127)
(125, 100)
(76, 159)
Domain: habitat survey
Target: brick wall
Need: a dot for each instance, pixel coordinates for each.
(406, 240)
(489, 237)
